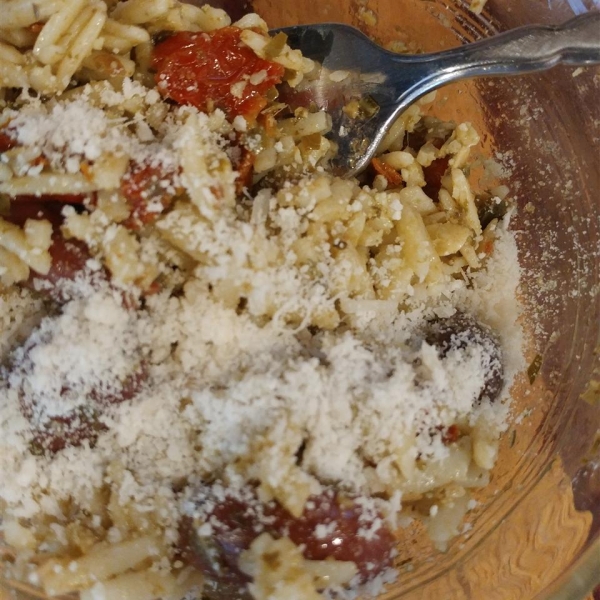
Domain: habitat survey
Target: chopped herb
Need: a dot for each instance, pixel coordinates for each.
(272, 94)
(275, 108)
(534, 368)
(488, 209)
(275, 45)
(365, 108)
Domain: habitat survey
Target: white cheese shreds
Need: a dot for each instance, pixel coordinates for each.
(349, 396)
(276, 342)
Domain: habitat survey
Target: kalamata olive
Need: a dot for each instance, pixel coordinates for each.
(334, 525)
(69, 257)
(21, 211)
(433, 176)
(233, 524)
(71, 426)
(82, 424)
(58, 433)
(459, 332)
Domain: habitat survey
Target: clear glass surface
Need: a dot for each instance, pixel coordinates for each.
(535, 533)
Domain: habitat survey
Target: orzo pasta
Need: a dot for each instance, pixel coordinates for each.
(225, 372)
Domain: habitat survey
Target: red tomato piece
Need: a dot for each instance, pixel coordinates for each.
(394, 178)
(451, 434)
(245, 169)
(69, 257)
(201, 68)
(144, 186)
(36, 27)
(487, 247)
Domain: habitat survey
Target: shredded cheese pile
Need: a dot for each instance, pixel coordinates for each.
(191, 386)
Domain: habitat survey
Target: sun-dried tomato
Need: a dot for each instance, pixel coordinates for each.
(148, 190)
(245, 169)
(451, 434)
(394, 178)
(215, 70)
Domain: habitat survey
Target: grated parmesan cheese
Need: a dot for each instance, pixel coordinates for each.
(195, 385)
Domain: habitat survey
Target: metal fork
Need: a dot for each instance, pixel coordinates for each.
(370, 87)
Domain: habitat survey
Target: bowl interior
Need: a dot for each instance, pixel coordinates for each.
(541, 513)
(536, 528)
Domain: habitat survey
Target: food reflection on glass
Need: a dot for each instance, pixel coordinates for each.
(226, 372)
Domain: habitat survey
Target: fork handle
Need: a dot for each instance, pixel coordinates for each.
(523, 50)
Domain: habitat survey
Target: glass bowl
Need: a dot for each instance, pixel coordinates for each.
(535, 532)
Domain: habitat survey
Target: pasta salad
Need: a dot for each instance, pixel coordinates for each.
(224, 371)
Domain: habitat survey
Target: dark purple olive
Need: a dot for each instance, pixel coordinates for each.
(329, 528)
(461, 331)
(69, 257)
(57, 433)
(72, 427)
